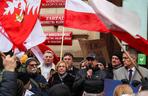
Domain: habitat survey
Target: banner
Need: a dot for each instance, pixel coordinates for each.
(55, 38)
(50, 20)
(53, 3)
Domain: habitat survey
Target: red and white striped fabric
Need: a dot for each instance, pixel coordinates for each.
(126, 23)
(80, 15)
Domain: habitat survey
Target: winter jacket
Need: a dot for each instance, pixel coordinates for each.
(95, 84)
(8, 84)
(68, 80)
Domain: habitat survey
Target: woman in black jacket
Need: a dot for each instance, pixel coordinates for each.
(61, 76)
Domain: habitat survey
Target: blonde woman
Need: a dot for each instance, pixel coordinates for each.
(123, 90)
(61, 76)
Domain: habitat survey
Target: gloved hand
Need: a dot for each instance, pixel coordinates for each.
(125, 81)
(144, 84)
(136, 83)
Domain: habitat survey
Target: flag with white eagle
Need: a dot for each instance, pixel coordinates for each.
(19, 19)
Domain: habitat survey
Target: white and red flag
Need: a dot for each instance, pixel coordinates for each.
(103, 16)
(19, 18)
(80, 15)
(123, 23)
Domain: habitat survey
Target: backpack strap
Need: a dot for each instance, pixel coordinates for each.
(35, 83)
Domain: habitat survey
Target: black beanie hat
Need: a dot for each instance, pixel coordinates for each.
(102, 60)
(118, 53)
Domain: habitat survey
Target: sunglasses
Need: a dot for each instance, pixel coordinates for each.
(32, 65)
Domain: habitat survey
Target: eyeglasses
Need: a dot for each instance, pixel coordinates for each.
(32, 65)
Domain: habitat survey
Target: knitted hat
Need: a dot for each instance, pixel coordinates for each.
(118, 54)
(102, 60)
(29, 60)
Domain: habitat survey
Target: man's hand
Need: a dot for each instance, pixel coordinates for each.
(9, 63)
(89, 73)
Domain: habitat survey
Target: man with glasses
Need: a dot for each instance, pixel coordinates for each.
(34, 80)
(128, 71)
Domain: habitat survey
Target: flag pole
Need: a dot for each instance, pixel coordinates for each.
(61, 53)
(129, 57)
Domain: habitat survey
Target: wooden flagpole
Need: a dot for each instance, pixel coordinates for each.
(129, 57)
(61, 52)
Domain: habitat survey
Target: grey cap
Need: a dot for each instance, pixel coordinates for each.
(91, 56)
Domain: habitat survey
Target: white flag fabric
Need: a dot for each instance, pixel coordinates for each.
(123, 23)
(123, 18)
(36, 37)
(5, 44)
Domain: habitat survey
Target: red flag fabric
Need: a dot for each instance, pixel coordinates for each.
(137, 42)
(80, 15)
(18, 18)
(124, 24)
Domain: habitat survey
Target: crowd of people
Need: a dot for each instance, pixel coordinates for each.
(27, 77)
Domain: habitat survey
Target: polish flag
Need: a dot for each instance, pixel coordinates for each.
(123, 23)
(80, 15)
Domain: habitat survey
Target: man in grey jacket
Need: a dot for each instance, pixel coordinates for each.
(128, 71)
(9, 78)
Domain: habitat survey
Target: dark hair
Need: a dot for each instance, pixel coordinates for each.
(68, 54)
(132, 52)
(118, 53)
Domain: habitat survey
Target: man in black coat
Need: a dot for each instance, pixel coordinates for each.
(92, 78)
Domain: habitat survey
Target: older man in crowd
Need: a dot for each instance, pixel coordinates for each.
(48, 66)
